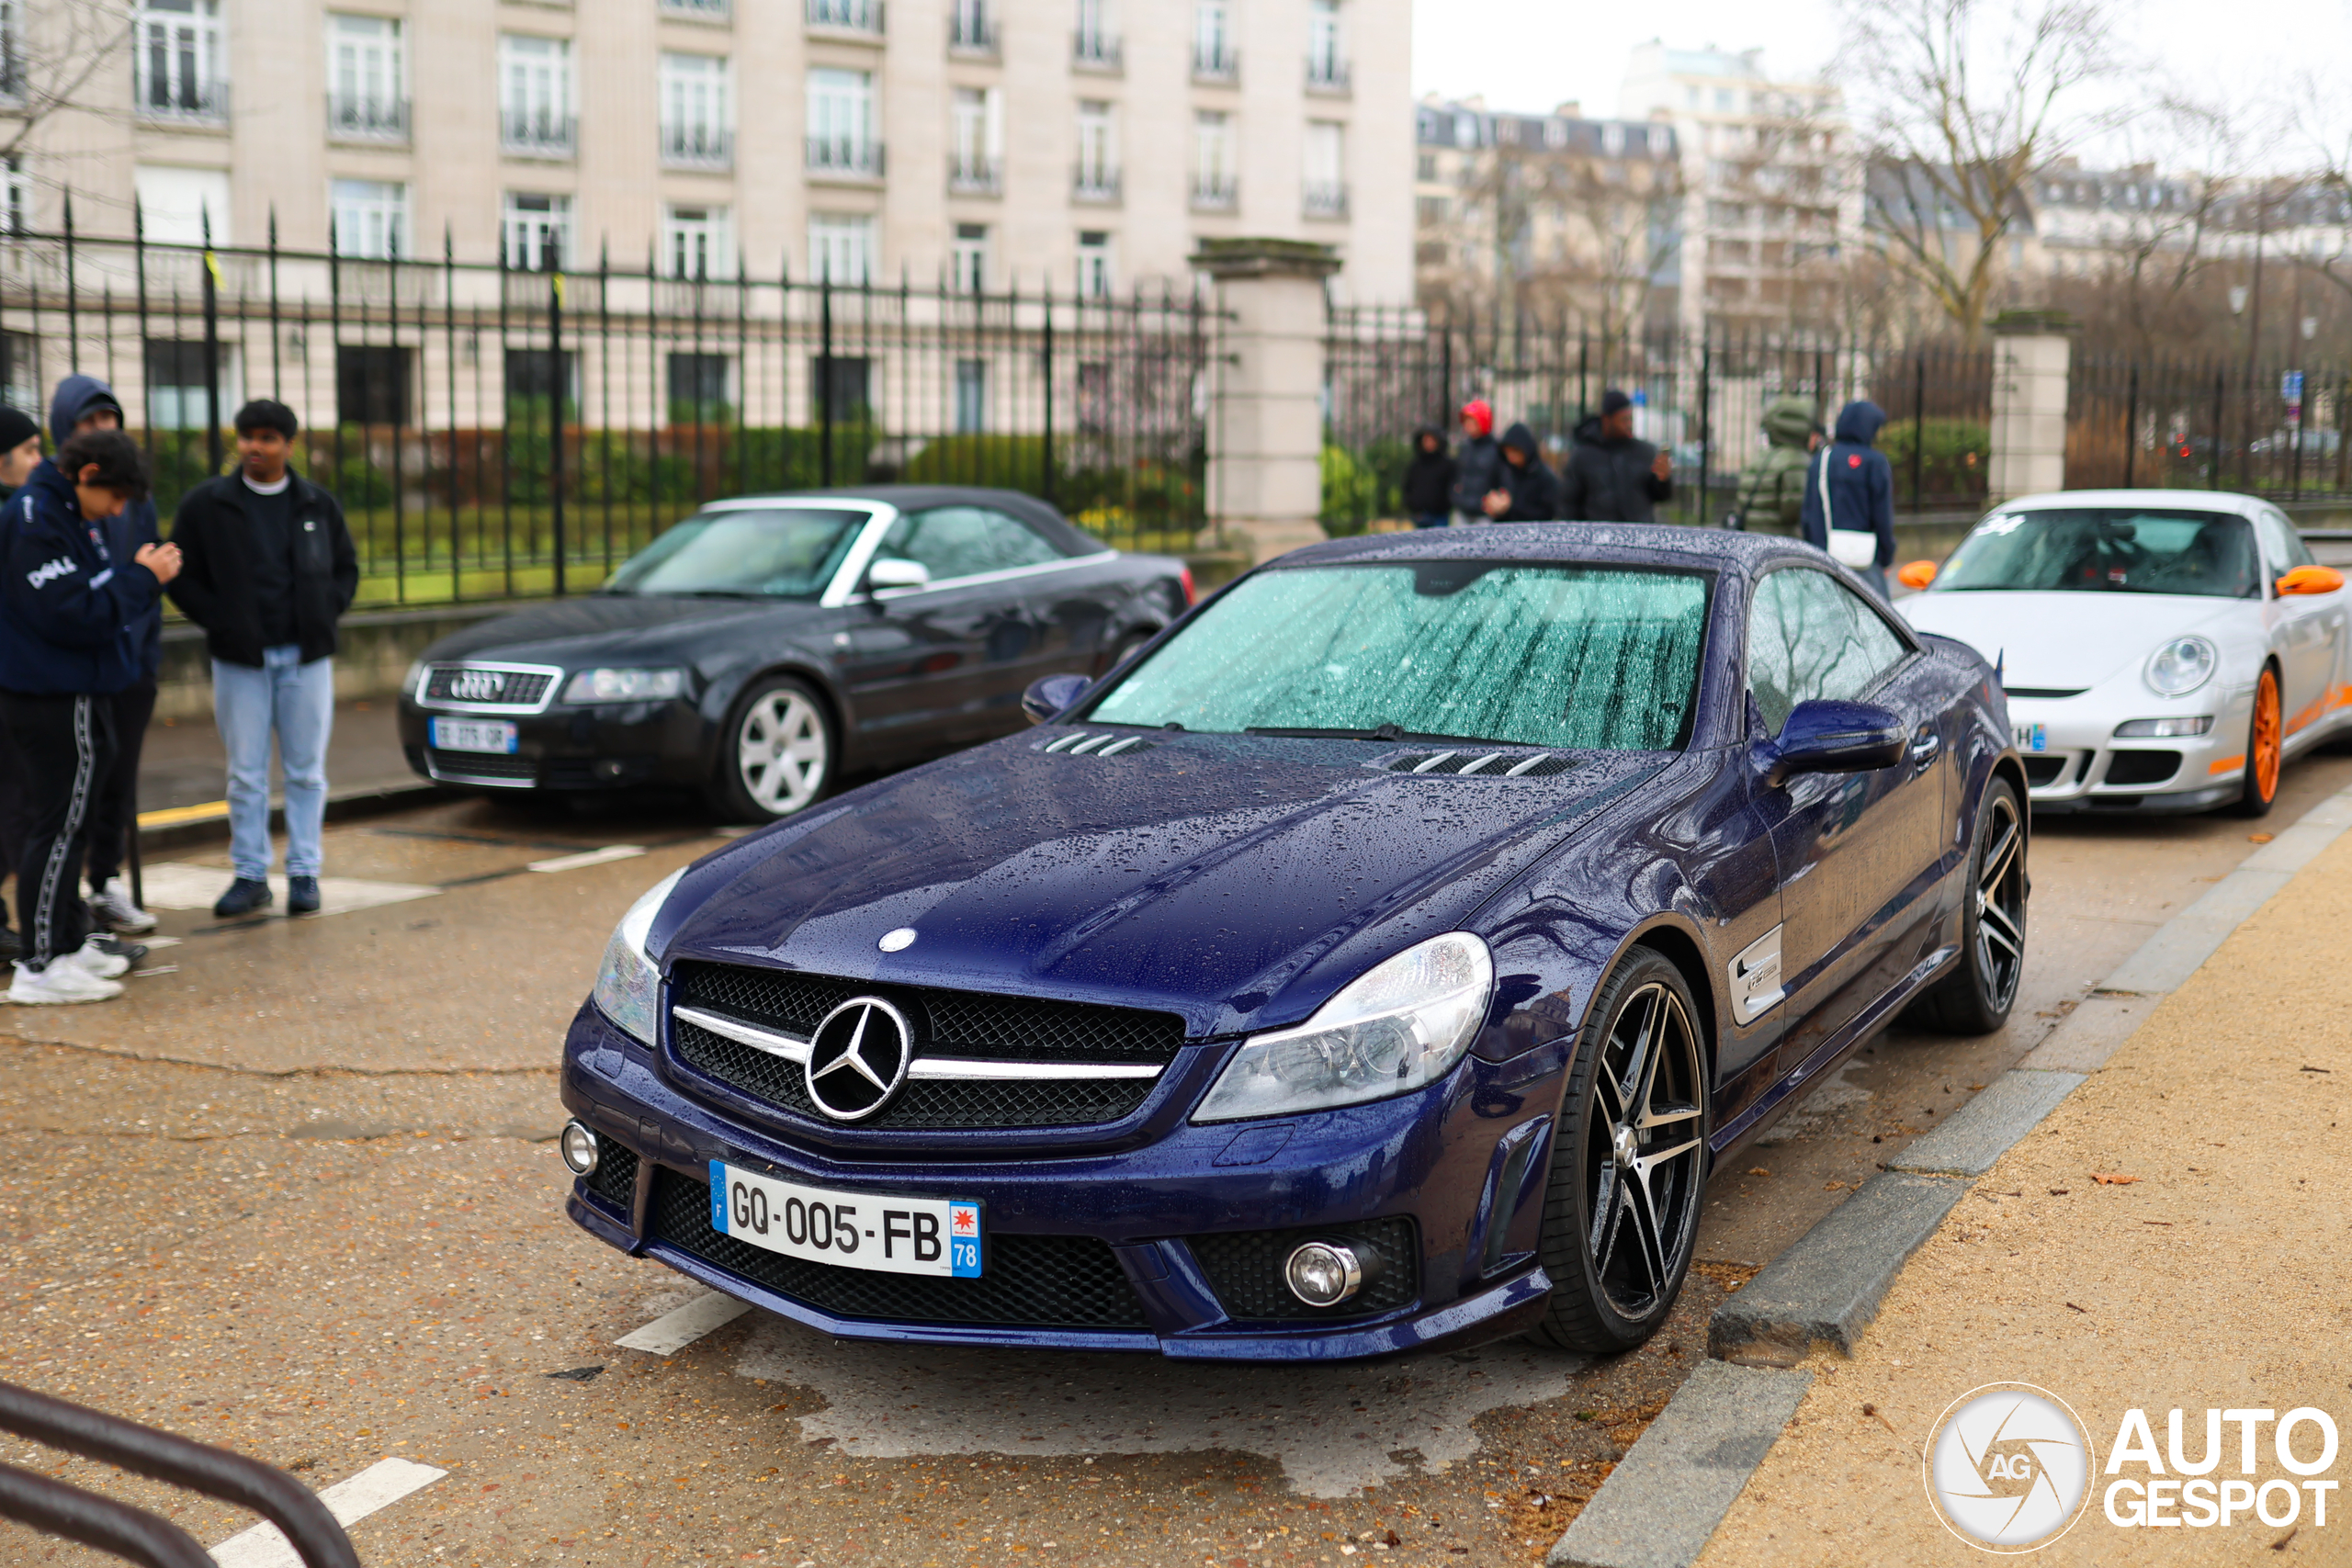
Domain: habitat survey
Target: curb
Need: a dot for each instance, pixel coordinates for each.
(372, 800)
(1826, 1288)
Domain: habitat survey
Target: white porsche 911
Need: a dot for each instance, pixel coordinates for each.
(2162, 650)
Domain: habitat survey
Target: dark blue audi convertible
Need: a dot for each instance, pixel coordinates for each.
(1380, 960)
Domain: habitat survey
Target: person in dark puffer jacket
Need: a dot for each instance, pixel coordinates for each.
(1528, 491)
(1611, 476)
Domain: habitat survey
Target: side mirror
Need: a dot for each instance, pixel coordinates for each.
(1833, 738)
(2310, 580)
(892, 575)
(1917, 574)
(1050, 694)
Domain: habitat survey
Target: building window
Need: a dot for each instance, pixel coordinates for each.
(698, 388)
(181, 59)
(1095, 42)
(695, 245)
(371, 219)
(11, 51)
(971, 396)
(20, 384)
(840, 386)
(1326, 65)
(853, 16)
(971, 25)
(1431, 211)
(841, 123)
(1612, 140)
(535, 375)
(1213, 181)
(840, 247)
(976, 148)
(538, 232)
(1214, 57)
(1098, 164)
(968, 259)
(1326, 187)
(697, 119)
(182, 207)
(177, 398)
(366, 77)
(535, 95)
(1093, 264)
(371, 382)
(701, 10)
(16, 202)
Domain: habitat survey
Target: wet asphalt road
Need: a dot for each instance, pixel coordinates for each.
(297, 1196)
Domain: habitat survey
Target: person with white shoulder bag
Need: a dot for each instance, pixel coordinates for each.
(1849, 497)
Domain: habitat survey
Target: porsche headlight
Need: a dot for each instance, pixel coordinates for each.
(2182, 666)
(625, 685)
(1404, 1022)
(627, 985)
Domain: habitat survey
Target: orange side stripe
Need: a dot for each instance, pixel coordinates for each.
(2228, 765)
(2307, 715)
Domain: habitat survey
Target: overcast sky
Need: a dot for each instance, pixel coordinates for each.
(1531, 54)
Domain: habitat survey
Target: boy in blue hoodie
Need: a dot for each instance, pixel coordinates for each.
(70, 617)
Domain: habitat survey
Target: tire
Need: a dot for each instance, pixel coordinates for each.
(778, 754)
(2265, 736)
(1976, 997)
(1629, 1164)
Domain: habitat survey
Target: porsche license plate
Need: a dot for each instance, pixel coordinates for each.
(849, 1230)
(497, 735)
(2032, 737)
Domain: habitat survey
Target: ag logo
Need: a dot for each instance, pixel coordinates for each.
(2008, 1467)
(858, 1058)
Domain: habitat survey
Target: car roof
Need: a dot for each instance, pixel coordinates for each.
(1040, 516)
(2182, 499)
(1656, 543)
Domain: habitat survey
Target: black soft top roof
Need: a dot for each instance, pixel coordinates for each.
(1038, 515)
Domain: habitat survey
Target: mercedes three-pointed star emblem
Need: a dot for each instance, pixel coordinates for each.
(858, 1058)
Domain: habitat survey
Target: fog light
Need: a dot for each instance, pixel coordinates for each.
(1323, 1273)
(579, 1146)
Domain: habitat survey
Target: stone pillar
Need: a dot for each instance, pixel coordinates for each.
(2031, 352)
(1265, 434)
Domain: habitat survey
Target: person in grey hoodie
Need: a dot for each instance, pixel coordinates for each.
(1849, 486)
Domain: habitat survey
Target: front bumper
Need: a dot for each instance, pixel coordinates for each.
(603, 745)
(2075, 763)
(1464, 1161)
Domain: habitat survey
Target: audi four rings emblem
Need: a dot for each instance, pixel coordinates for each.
(858, 1058)
(477, 685)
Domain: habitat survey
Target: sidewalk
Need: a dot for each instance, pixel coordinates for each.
(2213, 1277)
(182, 764)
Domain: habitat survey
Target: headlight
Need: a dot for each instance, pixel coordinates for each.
(627, 985)
(2182, 666)
(413, 682)
(2163, 729)
(1404, 1022)
(625, 685)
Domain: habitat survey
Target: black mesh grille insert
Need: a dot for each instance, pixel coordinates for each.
(480, 765)
(1245, 1268)
(2141, 767)
(1030, 1281)
(2045, 769)
(615, 1177)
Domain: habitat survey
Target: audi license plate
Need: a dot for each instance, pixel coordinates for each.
(849, 1230)
(497, 735)
(2033, 737)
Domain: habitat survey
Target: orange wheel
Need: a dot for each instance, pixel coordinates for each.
(2263, 740)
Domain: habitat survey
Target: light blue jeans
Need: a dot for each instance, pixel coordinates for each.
(296, 700)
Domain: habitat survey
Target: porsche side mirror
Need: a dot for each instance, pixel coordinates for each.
(892, 575)
(1050, 694)
(2310, 580)
(1824, 737)
(1917, 574)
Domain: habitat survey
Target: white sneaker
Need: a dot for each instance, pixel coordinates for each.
(62, 982)
(114, 906)
(94, 960)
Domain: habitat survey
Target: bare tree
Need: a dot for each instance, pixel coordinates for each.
(2160, 246)
(1958, 121)
(52, 54)
(2327, 127)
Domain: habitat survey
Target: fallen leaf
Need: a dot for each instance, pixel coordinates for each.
(2259, 838)
(1393, 1539)
(1974, 1087)
(2084, 1310)
(1758, 1170)
(2110, 1179)
(2060, 1191)
(2314, 1069)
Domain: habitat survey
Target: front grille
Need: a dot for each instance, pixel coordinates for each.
(480, 765)
(1246, 1268)
(615, 1177)
(1481, 763)
(2049, 692)
(2141, 767)
(508, 688)
(2045, 769)
(1029, 1282)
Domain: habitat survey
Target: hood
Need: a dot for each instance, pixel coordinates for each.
(1519, 438)
(77, 395)
(608, 627)
(48, 481)
(1788, 421)
(1421, 453)
(1859, 422)
(1236, 880)
(2065, 640)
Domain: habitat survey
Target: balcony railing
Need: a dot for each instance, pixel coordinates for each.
(971, 175)
(847, 157)
(201, 102)
(1215, 193)
(538, 133)
(846, 16)
(699, 11)
(1215, 62)
(1325, 199)
(1327, 73)
(697, 147)
(366, 117)
(971, 29)
(1095, 50)
(1097, 184)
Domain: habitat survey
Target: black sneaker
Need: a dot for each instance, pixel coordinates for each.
(10, 947)
(245, 895)
(131, 953)
(301, 894)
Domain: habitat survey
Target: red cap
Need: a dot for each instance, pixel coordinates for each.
(1479, 411)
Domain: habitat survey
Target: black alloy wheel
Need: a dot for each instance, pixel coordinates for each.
(776, 754)
(1976, 997)
(1629, 1164)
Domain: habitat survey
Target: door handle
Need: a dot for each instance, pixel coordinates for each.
(1923, 752)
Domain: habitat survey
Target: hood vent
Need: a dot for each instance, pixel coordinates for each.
(1481, 764)
(1099, 744)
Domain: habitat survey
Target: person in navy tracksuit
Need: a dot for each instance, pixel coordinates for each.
(71, 627)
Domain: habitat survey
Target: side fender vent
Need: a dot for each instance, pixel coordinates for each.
(1481, 764)
(1099, 744)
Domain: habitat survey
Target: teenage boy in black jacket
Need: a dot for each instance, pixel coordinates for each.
(270, 570)
(70, 619)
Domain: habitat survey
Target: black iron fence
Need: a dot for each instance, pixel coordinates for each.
(2272, 429)
(494, 434)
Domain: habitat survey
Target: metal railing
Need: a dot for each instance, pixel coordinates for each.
(846, 16)
(538, 133)
(1324, 198)
(1215, 62)
(1215, 193)
(1096, 184)
(973, 175)
(1327, 73)
(204, 101)
(367, 116)
(701, 10)
(697, 147)
(858, 157)
(971, 28)
(1094, 50)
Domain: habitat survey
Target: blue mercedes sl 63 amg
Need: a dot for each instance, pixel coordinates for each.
(1382, 959)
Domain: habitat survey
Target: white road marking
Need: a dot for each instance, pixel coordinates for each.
(674, 1331)
(590, 857)
(181, 885)
(379, 1485)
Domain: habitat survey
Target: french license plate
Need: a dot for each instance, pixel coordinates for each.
(849, 1230)
(497, 735)
(2032, 737)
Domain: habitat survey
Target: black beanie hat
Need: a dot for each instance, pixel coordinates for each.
(1611, 401)
(17, 427)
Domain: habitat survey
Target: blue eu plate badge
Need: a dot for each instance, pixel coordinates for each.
(964, 1238)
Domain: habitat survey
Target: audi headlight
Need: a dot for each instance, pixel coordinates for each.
(625, 685)
(413, 682)
(1404, 1022)
(627, 985)
(2182, 666)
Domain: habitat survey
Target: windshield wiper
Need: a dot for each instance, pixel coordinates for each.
(716, 594)
(1383, 732)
